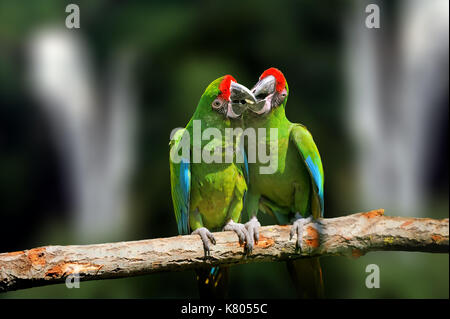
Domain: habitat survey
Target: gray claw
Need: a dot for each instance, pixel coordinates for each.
(206, 237)
(240, 231)
(252, 227)
(297, 227)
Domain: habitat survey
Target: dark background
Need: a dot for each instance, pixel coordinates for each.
(179, 48)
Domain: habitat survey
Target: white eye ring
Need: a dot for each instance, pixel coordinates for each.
(216, 104)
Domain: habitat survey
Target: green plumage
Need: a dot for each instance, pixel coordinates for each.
(292, 187)
(208, 195)
(295, 187)
(216, 189)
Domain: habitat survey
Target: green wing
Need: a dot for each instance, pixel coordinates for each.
(304, 142)
(180, 179)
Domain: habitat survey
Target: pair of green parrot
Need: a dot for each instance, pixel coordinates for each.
(212, 195)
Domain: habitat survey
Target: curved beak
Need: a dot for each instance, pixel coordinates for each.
(261, 90)
(241, 98)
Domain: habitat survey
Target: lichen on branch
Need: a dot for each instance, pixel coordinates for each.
(352, 235)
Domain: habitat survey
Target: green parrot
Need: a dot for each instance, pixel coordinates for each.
(207, 190)
(293, 191)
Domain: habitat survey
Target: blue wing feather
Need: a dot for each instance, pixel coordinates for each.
(310, 154)
(185, 185)
(180, 177)
(318, 179)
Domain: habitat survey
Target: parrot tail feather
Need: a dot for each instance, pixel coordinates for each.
(212, 282)
(306, 274)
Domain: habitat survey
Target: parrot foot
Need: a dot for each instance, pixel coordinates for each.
(253, 231)
(240, 231)
(206, 237)
(297, 228)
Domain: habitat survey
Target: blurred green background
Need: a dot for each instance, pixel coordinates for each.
(178, 48)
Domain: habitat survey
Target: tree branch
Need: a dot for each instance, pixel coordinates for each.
(352, 235)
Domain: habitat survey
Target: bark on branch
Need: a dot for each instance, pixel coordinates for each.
(352, 235)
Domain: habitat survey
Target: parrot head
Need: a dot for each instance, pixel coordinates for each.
(227, 97)
(270, 92)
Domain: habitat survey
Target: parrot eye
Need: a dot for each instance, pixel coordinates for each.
(216, 104)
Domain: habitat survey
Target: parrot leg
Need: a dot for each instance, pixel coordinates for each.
(252, 227)
(234, 215)
(240, 231)
(206, 237)
(297, 228)
(251, 204)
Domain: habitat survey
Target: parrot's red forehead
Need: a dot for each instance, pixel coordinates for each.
(279, 77)
(224, 87)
